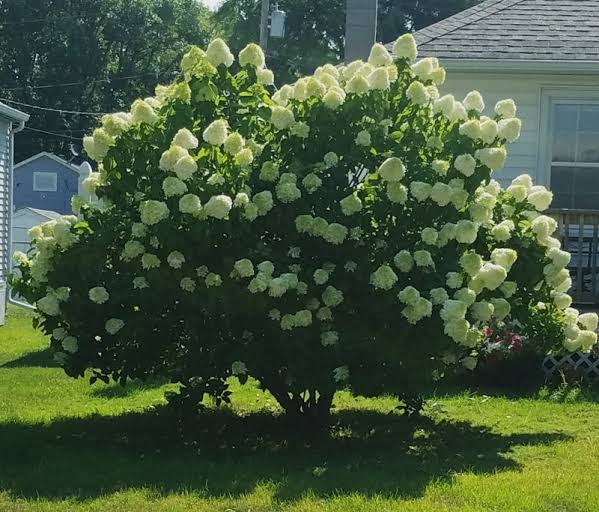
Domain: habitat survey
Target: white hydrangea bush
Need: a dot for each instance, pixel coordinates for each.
(345, 230)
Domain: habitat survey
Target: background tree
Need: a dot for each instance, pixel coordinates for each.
(91, 56)
(315, 29)
(399, 16)
(314, 33)
(97, 56)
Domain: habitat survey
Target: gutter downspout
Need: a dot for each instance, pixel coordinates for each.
(11, 145)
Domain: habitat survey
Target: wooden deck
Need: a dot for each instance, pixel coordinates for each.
(578, 231)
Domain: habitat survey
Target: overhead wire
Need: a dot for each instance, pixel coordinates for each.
(23, 22)
(48, 109)
(69, 84)
(52, 133)
(84, 82)
(58, 16)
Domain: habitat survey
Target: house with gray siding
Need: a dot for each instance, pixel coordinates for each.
(11, 122)
(46, 182)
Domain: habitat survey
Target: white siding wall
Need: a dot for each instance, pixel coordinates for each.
(4, 213)
(22, 221)
(526, 154)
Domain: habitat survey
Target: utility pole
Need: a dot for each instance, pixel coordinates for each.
(360, 32)
(264, 25)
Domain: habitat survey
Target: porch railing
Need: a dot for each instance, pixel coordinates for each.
(578, 231)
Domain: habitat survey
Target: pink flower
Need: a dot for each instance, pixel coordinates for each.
(516, 344)
(488, 332)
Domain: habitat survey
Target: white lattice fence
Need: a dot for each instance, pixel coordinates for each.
(582, 363)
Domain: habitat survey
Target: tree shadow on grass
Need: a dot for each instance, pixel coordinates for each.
(228, 455)
(115, 390)
(40, 359)
(513, 391)
(551, 389)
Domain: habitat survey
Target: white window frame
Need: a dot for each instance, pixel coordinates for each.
(551, 96)
(37, 188)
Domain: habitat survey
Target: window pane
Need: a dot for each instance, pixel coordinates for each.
(588, 147)
(575, 187)
(564, 147)
(587, 201)
(589, 118)
(565, 122)
(561, 186)
(44, 181)
(588, 134)
(566, 118)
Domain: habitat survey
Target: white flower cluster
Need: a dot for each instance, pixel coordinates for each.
(50, 239)
(581, 330)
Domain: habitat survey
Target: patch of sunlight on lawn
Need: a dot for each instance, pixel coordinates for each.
(35, 389)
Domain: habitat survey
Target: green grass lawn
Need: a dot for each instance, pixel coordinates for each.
(68, 446)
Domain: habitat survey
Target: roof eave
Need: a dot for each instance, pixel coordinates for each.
(51, 156)
(521, 66)
(12, 114)
(40, 213)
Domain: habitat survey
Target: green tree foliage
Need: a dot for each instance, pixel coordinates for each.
(93, 46)
(399, 16)
(315, 29)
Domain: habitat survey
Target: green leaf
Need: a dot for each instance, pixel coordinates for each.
(265, 113)
(208, 92)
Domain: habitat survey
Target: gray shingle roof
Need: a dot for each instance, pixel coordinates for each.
(544, 30)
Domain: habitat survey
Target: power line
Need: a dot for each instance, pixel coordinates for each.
(59, 16)
(103, 80)
(23, 22)
(84, 130)
(60, 111)
(52, 133)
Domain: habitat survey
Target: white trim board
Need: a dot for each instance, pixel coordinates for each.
(551, 67)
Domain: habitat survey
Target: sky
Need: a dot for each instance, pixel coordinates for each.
(211, 4)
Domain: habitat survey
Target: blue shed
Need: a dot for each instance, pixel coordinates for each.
(47, 182)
